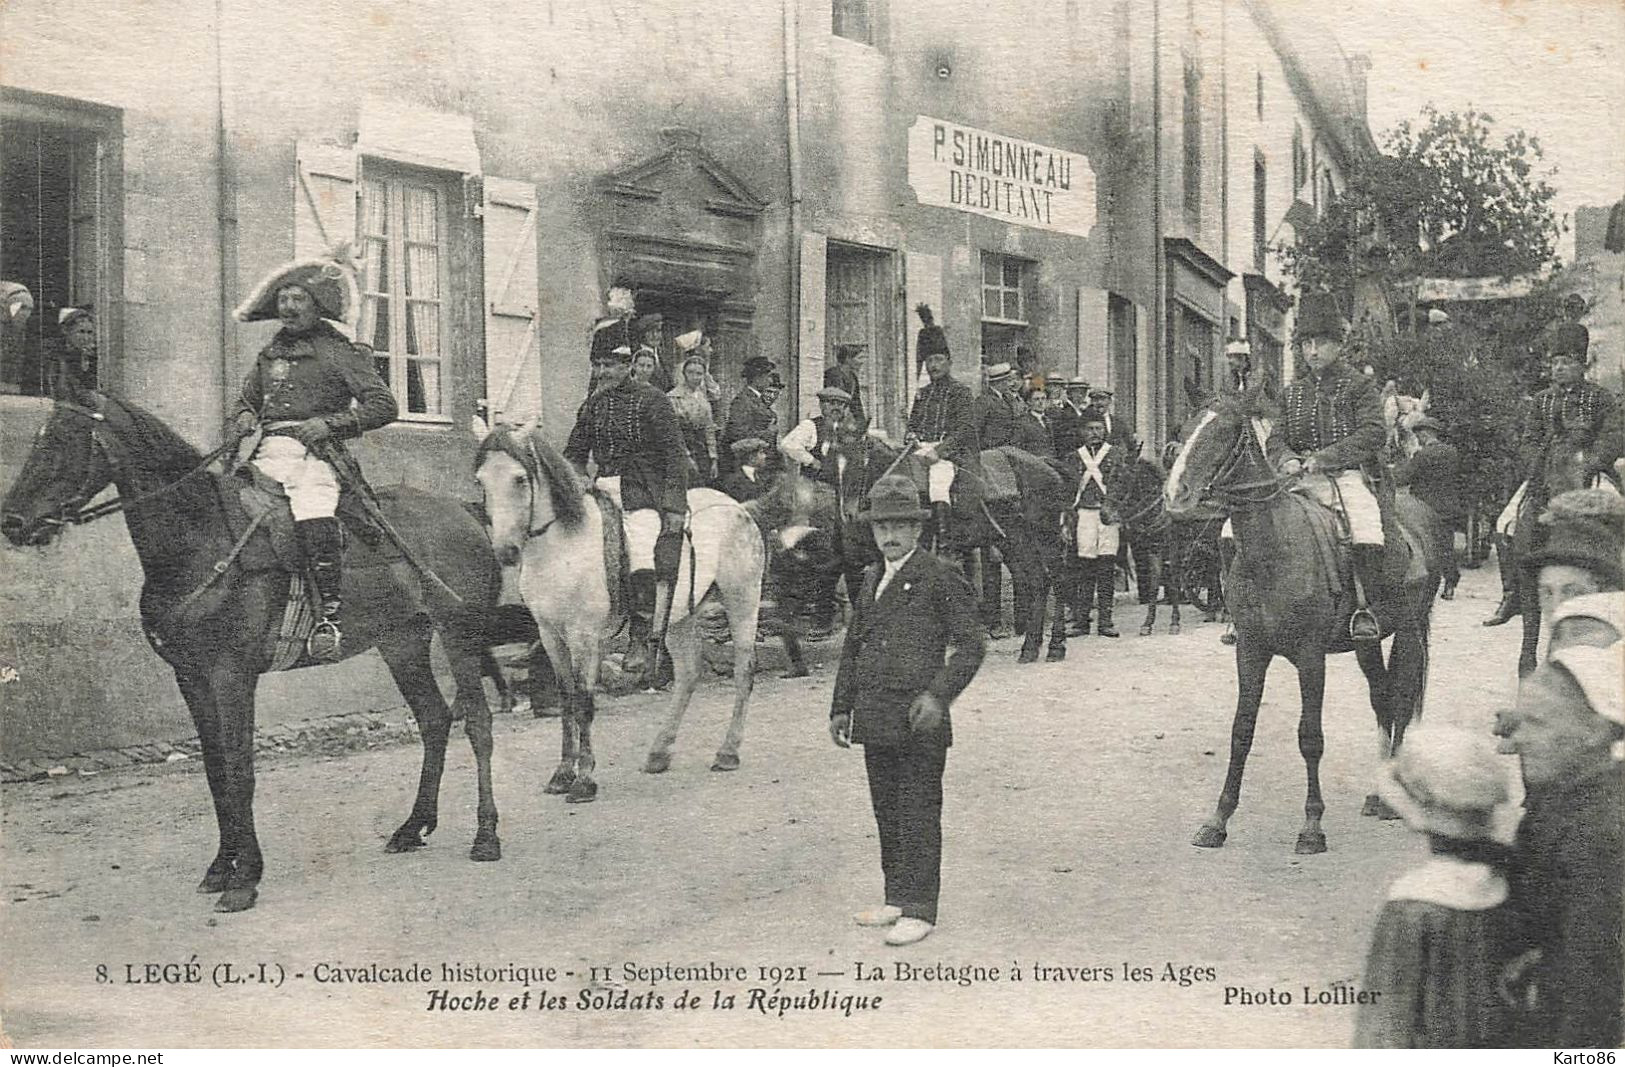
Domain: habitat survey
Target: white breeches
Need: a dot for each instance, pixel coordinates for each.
(1507, 522)
(1358, 503)
(642, 528)
(311, 485)
(939, 479)
(1095, 538)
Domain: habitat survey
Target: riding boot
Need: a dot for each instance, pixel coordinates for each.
(1508, 609)
(323, 543)
(939, 520)
(1105, 595)
(1368, 567)
(1083, 595)
(657, 666)
(638, 622)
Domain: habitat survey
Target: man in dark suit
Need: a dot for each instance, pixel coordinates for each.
(749, 481)
(751, 414)
(1433, 473)
(1065, 418)
(913, 646)
(1033, 427)
(1118, 430)
(845, 376)
(996, 407)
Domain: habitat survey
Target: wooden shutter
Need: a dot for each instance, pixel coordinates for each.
(922, 284)
(513, 367)
(324, 203)
(811, 343)
(1094, 361)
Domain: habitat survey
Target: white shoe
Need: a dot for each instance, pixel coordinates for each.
(884, 915)
(908, 931)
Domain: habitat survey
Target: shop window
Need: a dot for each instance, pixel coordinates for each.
(854, 20)
(860, 308)
(403, 312)
(1002, 289)
(56, 217)
(1190, 358)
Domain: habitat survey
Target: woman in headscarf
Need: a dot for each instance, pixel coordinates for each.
(691, 399)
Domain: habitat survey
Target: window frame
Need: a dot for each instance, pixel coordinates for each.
(871, 13)
(1023, 278)
(396, 176)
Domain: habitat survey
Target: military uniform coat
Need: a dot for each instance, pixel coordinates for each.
(1582, 417)
(631, 432)
(1335, 417)
(945, 411)
(316, 374)
(922, 635)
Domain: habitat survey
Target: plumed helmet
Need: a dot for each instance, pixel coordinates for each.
(931, 339)
(1319, 316)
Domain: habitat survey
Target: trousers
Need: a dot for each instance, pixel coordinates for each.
(905, 789)
(1095, 538)
(311, 484)
(1359, 503)
(939, 479)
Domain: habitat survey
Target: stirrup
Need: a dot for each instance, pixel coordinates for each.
(325, 641)
(1354, 619)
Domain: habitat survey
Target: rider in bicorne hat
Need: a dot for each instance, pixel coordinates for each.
(307, 390)
(1331, 429)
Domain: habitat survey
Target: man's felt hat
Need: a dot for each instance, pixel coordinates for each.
(756, 367)
(894, 498)
(848, 349)
(1571, 339)
(1101, 390)
(1319, 316)
(1587, 531)
(831, 392)
(1446, 781)
(998, 372)
(746, 445)
(330, 281)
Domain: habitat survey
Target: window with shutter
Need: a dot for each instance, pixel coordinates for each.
(513, 370)
(403, 285)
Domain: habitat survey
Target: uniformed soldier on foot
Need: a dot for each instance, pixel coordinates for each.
(299, 395)
(629, 430)
(1093, 527)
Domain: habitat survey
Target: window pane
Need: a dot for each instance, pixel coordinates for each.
(990, 303)
(1012, 274)
(422, 387)
(423, 329)
(990, 270)
(422, 271)
(422, 210)
(1012, 305)
(378, 336)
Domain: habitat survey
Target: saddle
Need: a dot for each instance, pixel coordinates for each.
(1405, 551)
(262, 528)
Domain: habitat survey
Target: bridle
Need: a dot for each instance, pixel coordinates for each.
(73, 510)
(1232, 494)
(532, 472)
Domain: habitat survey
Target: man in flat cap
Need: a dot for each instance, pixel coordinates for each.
(811, 445)
(749, 480)
(845, 375)
(1118, 430)
(629, 430)
(913, 646)
(307, 391)
(1331, 430)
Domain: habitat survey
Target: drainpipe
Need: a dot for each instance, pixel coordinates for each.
(792, 119)
(225, 216)
(1159, 302)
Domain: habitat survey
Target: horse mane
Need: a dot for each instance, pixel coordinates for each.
(544, 464)
(151, 437)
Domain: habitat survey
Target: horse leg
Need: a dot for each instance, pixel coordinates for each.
(1251, 667)
(581, 706)
(1152, 582)
(200, 702)
(1312, 744)
(566, 672)
(742, 605)
(407, 658)
(1173, 580)
(469, 701)
(233, 687)
(492, 670)
(682, 641)
(1380, 685)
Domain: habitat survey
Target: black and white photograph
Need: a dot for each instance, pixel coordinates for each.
(627, 524)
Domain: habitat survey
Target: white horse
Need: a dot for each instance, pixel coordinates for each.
(545, 518)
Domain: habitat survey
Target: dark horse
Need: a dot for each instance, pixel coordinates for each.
(213, 622)
(1287, 595)
(1176, 552)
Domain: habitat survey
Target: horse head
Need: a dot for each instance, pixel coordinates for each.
(529, 488)
(1224, 444)
(68, 464)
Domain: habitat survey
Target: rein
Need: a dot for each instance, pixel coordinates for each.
(1232, 492)
(79, 515)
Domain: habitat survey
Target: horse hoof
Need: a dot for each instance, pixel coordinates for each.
(1209, 837)
(1056, 654)
(1028, 655)
(1145, 631)
(585, 791)
(1385, 812)
(214, 882)
(725, 762)
(657, 764)
(487, 848)
(237, 899)
(561, 782)
(1372, 805)
(1173, 628)
(406, 839)
(1310, 843)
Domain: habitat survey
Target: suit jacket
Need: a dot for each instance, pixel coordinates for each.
(1065, 428)
(995, 419)
(741, 488)
(922, 635)
(1034, 436)
(748, 416)
(845, 378)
